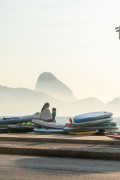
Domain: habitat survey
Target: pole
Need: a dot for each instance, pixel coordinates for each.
(118, 30)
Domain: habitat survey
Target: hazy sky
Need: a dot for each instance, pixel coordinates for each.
(73, 39)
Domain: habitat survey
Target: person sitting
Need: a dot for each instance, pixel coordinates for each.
(45, 114)
(53, 114)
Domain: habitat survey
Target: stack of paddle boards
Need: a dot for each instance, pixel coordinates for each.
(15, 124)
(90, 122)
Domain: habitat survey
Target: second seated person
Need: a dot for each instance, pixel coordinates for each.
(45, 114)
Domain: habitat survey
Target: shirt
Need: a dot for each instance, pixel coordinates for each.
(53, 116)
(46, 114)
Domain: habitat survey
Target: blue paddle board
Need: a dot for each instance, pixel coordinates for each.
(48, 131)
(108, 124)
(92, 123)
(18, 119)
(92, 116)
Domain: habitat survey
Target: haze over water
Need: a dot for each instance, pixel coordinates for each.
(75, 40)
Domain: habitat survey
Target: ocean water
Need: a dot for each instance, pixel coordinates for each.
(62, 119)
(65, 119)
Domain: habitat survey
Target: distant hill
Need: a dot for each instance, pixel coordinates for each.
(114, 106)
(22, 101)
(52, 86)
(88, 105)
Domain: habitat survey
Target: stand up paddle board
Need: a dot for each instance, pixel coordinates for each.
(48, 131)
(48, 124)
(18, 119)
(92, 122)
(92, 116)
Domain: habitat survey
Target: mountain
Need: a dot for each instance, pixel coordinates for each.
(87, 105)
(114, 106)
(14, 101)
(52, 86)
(22, 101)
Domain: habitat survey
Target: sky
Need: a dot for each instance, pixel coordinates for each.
(73, 39)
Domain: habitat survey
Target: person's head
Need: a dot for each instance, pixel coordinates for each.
(53, 109)
(46, 105)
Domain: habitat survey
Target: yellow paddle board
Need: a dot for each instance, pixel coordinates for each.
(82, 133)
